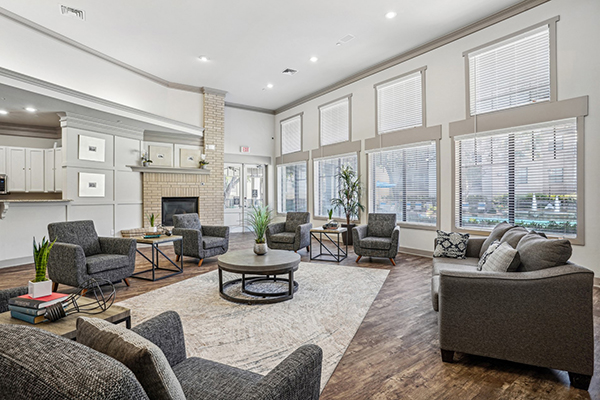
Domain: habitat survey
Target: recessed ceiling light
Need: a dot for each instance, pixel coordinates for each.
(203, 58)
(270, 85)
(390, 15)
(3, 112)
(30, 109)
(314, 59)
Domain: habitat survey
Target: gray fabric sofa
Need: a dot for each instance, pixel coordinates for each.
(79, 254)
(293, 234)
(380, 237)
(35, 364)
(199, 241)
(542, 318)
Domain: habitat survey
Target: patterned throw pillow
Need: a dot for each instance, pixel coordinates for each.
(491, 248)
(502, 259)
(452, 245)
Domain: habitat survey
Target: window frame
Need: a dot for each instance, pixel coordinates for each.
(306, 164)
(551, 22)
(320, 108)
(301, 116)
(315, 216)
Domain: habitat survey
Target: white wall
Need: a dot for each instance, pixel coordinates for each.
(32, 142)
(578, 66)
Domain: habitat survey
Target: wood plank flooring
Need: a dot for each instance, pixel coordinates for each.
(395, 353)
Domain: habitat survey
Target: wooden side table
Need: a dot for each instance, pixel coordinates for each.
(341, 253)
(154, 242)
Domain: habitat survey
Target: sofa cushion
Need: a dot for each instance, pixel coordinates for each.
(381, 225)
(378, 243)
(513, 235)
(537, 252)
(283, 237)
(141, 356)
(105, 262)
(295, 219)
(210, 242)
(496, 234)
(470, 265)
(491, 248)
(502, 259)
(451, 245)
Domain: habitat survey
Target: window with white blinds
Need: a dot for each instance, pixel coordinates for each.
(511, 73)
(400, 103)
(326, 181)
(291, 135)
(335, 122)
(291, 187)
(404, 181)
(526, 176)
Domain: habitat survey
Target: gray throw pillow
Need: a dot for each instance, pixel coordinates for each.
(492, 247)
(452, 245)
(496, 234)
(503, 259)
(142, 357)
(513, 235)
(538, 252)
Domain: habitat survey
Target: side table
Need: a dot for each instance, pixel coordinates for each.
(341, 253)
(154, 242)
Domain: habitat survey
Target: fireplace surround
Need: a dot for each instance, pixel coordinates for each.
(177, 205)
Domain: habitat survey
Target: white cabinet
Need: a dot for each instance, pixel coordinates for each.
(34, 179)
(16, 169)
(58, 172)
(53, 170)
(2, 160)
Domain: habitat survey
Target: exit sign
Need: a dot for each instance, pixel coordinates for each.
(244, 149)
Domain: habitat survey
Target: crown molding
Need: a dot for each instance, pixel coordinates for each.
(45, 132)
(249, 108)
(78, 121)
(488, 21)
(207, 90)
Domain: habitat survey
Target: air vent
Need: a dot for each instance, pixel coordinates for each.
(289, 71)
(72, 12)
(345, 39)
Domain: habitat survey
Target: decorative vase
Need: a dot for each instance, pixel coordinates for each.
(153, 228)
(39, 289)
(260, 248)
(145, 163)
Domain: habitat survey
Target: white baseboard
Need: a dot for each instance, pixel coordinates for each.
(597, 282)
(16, 261)
(416, 252)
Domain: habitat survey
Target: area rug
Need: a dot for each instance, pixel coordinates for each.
(327, 309)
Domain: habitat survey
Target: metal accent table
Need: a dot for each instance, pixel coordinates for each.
(245, 262)
(341, 254)
(155, 261)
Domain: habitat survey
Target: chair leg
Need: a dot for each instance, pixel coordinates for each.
(358, 259)
(308, 248)
(177, 258)
(393, 262)
(200, 262)
(126, 280)
(84, 292)
(447, 356)
(580, 381)
(54, 286)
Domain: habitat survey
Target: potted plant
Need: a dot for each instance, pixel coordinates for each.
(152, 219)
(348, 200)
(203, 161)
(331, 223)
(145, 160)
(259, 219)
(40, 286)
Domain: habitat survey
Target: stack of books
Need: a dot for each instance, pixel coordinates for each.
(31, 310)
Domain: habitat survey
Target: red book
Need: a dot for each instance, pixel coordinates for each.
(40, 302)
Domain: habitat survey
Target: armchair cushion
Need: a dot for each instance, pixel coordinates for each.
(105, 262)
(189, 221)
(123, 246)
(210, 242)
(537, 252)
(141, 356)
(283, 237)
(381, 225)
(295, 219)
(379, 243)
(81, 233)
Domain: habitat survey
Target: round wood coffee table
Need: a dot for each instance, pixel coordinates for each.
(268, 266)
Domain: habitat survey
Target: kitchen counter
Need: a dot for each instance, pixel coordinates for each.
(5, 203)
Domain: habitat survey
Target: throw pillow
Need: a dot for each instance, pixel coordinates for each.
(488, 252)
(452, 245)
(513, 235)
(496, 234)
(141, 356)
(503, 259)
(538, 252)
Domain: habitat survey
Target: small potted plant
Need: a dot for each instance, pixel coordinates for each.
(203, 163)
(331, 223)
(145, 160)
(259, 219)
(40, 286)
(152, 219)
(348, 200)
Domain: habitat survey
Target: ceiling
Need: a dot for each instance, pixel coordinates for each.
(249, 43)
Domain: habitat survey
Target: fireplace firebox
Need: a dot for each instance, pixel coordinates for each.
(177, 205)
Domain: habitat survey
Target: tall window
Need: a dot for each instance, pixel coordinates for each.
(511, 73)
(335, 122)
(527, 176)
(326, 181)
(400, 103)
(291, 187)
(291, 135)
(404, 181)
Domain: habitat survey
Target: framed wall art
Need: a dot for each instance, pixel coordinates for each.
(161, 156)
(91, 185)
(189, 158)
(91, 148)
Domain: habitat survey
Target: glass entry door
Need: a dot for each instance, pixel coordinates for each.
(245, 188)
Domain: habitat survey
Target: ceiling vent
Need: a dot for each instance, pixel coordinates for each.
(72, 12)
(345, 40)
(289, 71)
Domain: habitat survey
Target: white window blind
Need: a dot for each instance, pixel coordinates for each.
(335, 122)
(326, 182)
(291, 187)
(526, 176)
(291, 135)
(404, 181)
(400, 104)
(511, 73)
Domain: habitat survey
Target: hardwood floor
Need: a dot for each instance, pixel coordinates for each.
(395, 352)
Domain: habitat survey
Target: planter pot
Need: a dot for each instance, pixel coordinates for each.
(347, 236)
(260, 248)
(40, 289)
(153, 228)
(144, 163)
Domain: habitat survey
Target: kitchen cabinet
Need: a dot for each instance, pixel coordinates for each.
(2, 160)
(53, 170)
(58, 172)
(16, 169)
(34, 178)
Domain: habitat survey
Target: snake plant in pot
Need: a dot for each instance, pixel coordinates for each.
(348, 198)
(259, 219)
(40, 286)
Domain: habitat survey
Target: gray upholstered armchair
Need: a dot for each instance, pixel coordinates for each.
(7, 294)
(379, 238)
(293, 234)
(79, 254)
(199, 241)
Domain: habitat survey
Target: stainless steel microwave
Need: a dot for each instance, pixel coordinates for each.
(3, 184)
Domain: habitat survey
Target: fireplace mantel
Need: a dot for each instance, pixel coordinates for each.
(169, 170)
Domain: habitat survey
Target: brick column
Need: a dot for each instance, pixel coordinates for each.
(212, 200)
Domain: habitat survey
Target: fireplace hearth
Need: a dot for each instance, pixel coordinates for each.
(177, 205)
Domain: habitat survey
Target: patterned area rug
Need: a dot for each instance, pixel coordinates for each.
(327, 310)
